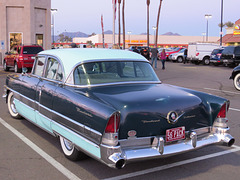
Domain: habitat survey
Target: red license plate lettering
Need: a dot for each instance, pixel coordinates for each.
(175, 134)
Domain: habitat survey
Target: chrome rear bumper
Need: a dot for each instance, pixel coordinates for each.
(122, 155)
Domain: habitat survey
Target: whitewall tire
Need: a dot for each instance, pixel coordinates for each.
(11, 106)
(236, 81)
(70, 151)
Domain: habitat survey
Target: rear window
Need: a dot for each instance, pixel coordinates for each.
(32, 50)
(217, 51)
(112, 72)
(228, 50)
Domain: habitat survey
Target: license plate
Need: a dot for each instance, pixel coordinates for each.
(175, 134)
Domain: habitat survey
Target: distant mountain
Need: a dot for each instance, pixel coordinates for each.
(108, 32)
(75, 34)
(171, 34)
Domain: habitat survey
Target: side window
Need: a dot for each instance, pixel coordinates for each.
(39, 66)
(237, 50)
(52, 68)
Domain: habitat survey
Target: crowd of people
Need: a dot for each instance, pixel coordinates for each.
(152, 54)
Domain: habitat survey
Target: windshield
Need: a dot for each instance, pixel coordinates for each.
(32, 50)
(112, 72)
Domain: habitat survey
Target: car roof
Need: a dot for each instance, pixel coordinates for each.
(70, 57)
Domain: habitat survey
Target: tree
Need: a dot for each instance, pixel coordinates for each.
(158, 16)
(229, 24)
(119, 24)
(148, 3)
(61, 37)
(123, 22)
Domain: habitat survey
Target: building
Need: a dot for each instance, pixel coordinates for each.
(141, 40)
(232, 37)
(24, 22)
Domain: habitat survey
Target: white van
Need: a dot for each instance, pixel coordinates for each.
(200, 52)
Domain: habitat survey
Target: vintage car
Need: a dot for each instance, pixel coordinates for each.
(110, 105)
(235, 76)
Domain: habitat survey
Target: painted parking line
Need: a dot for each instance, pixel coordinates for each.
(47, 157)
(222, 91)
(168, 166)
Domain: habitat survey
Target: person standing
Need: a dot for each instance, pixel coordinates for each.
(154, 55)
(185, 56)
(135, 50)
(163, 58)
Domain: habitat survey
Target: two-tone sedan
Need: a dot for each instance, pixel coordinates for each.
(110, 105)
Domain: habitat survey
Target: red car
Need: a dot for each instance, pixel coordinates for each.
(21, 56)
(175, 50)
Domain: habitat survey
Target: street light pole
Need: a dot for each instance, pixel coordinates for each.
(53, 11)
(154, 29)
(129, 32)
(207, 16)
(221, 33)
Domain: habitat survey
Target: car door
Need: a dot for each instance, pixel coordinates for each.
(29, 89)
(237, 54)
(12, 56)
(46, 88)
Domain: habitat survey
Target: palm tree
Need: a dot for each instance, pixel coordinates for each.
(159, 9)
(123, 22)
(229, 24)
(119, 24)
(148, 3)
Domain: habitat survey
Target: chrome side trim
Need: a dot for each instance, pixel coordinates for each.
(82, 128)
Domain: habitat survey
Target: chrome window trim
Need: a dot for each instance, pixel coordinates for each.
(115, 83)
(69, 79)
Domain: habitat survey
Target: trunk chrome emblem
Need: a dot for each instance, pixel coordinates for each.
(132, 133)
(172, 117)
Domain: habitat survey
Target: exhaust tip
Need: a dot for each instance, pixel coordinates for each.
(120, 164)
(231, 142)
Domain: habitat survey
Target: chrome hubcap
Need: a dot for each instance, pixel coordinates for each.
(68, 144)
(13, 106)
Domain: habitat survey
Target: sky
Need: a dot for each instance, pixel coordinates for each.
(185, 17)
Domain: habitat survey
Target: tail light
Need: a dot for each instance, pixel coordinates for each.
(113, 123)
(223, 111)
(221, 120)
(197, 54)
(20, 58)
(110, 136)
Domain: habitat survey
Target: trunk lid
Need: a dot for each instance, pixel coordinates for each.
(145, 108)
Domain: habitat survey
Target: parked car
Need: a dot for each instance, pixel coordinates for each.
(21, 56)
(215, 57)
(231, 55)
(236, 77)
(177, 57)
(110, 105)
(200, 52)
(174, 50)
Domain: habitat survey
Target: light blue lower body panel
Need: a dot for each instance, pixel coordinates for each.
(25, 110)
(78, 140)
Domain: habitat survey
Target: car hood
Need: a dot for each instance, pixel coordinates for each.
(145, 108)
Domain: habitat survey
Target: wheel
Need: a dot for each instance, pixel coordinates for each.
(236, 81)
(70, 151)
(5, 68)
(180, 59)
(11, 106)
(206, 61)
(16, 69)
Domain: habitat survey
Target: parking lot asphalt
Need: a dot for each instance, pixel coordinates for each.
(21, 160)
